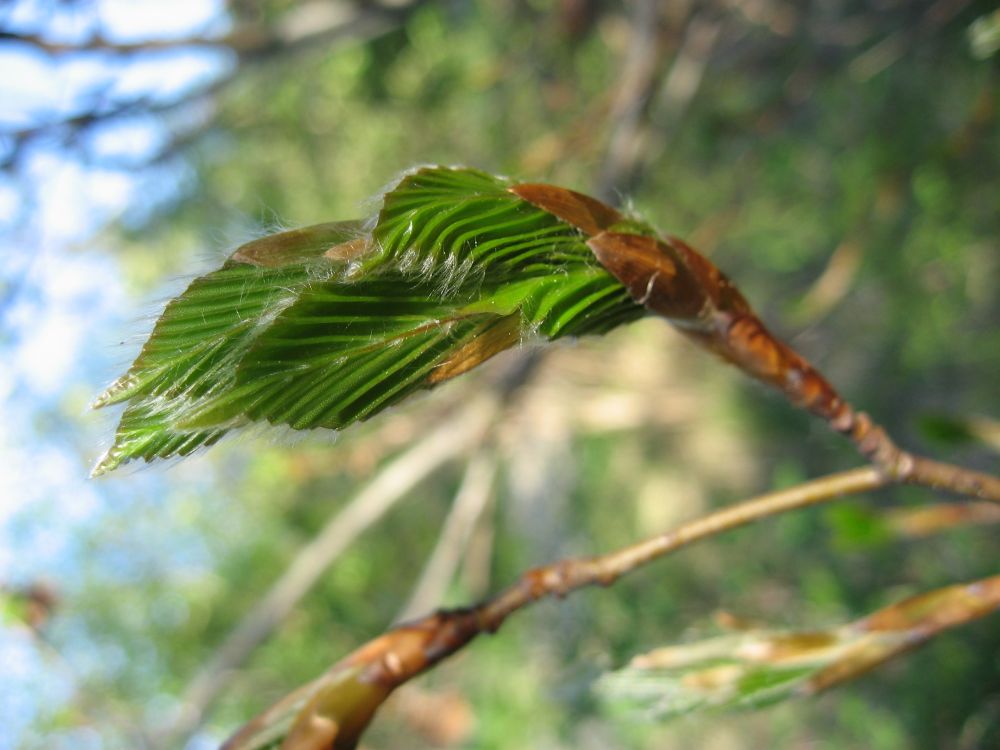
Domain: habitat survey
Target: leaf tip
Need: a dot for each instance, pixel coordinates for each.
(115, 393)
(109, 461)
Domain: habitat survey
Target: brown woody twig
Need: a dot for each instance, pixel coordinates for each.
(334, 710)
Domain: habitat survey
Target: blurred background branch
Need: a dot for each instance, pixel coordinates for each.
(319, 24)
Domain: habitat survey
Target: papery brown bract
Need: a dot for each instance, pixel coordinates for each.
(587, 214)
(674, 281)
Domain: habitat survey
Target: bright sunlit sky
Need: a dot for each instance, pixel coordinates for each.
(63, 308)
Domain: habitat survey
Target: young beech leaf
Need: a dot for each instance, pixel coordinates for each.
(329, 325)
(759, 667)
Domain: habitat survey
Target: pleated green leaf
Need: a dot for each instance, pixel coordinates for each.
(759, 667)
(328, 325)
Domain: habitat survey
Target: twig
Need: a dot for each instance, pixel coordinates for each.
(685, 78)
(919, 522)
(469, 503)
(889, 50)
(904, 467)
(373, 671)
(641, 71)
(308, 23)
(565, 576)
(305, 27)
(334, 710)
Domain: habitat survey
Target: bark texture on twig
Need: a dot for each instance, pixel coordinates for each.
(359, 683)
(333, 711)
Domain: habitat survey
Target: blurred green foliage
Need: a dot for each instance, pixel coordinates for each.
(797, 153)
